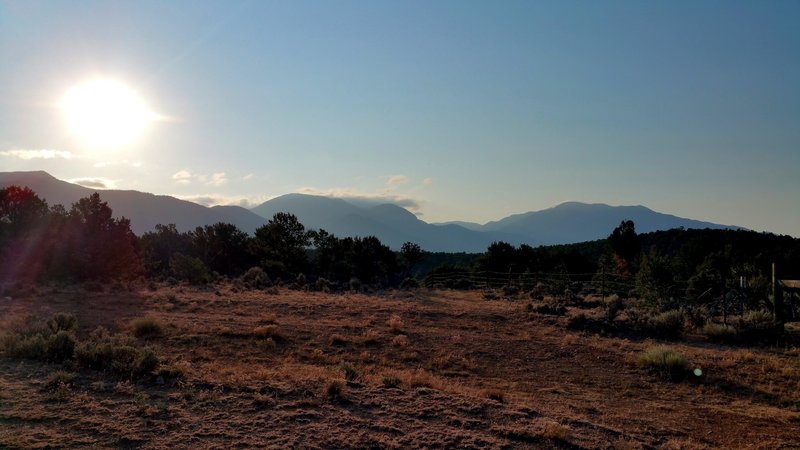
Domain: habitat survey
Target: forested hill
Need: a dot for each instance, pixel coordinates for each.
(684, 249)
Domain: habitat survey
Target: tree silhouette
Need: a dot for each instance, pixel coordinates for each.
(412, 254)
(101, 246)
(625, 245)
(281, 243)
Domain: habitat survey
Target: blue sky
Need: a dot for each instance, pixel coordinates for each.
(459, 110)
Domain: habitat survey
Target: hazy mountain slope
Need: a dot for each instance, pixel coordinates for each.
(566, 223)
(143, 209)
(392, 224)
(576, 222)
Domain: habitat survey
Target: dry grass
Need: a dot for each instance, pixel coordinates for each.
(395, 324)
(448, 369)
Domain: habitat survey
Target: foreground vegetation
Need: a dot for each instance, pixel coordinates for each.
(243, 367)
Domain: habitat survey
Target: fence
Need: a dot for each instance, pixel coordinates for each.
(724, 300)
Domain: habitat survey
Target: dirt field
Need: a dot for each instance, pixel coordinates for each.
(422, 369)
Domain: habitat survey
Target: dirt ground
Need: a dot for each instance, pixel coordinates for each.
(422, 369)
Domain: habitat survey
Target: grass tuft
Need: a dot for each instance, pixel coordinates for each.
(664, 361)
(145, 327)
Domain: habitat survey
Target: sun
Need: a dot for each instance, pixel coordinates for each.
(105, 113)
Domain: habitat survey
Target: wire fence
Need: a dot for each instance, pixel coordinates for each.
(721, 299)
(552, 282)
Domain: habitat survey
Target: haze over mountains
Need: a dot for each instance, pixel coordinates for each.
(392, 224)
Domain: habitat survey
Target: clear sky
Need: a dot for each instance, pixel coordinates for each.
(458, 110)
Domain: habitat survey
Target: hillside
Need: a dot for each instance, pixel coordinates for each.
(392, 224)
(577, 222)
(144, 210)
(563, 224)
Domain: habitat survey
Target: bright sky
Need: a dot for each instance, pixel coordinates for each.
(459, 110)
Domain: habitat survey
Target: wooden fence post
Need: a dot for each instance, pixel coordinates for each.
(777, 298)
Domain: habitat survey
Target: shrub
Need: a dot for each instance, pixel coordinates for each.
(395, 323)
(758, 327)
(697, 316)
(355, 284)
(337, 340)
(490, 295)
(589, 323)
(350, 373)
(496, 395)
(255, 278)
(301, 281)
(409, 283)
(272, 290)
(335, 390)
(60, 378)
(269, 332)
(146, 362)
(62, 321)
(556, 432)
(189, 268)
(720, 333)
(510, 290)
(171, 372)
(401, 340)
(26, 347)
(664, 361)
(322, 285)
(667, 324)
(613, 306)
(60, 346)
(554, 308)
(144, 327)
(116, 354)
(391, 382)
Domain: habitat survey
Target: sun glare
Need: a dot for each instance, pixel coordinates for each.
(105, 113)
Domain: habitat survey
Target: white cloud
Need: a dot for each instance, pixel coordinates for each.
(218, 179)
(249, 176)
(182, 177)
(366, 198)
(397, 179)
(220, 199)
(37, 154)
(427, 181)
(95, 182)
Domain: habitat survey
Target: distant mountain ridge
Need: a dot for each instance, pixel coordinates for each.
(562, 224)
(144, 210)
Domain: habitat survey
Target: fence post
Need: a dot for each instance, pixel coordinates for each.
(603, 283)
(777, 298)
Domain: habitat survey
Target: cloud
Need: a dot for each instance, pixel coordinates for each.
(394, 180)
(220, 199)
(366, 199)
(95, 182)
(427, 181)
(218, 179)
(182, 177)
(37, 154)
(249, 176)
(186, 177)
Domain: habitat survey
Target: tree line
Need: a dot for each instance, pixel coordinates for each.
(727, 270)
(39, 242)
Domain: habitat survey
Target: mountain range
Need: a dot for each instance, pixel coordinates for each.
(393, 225)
